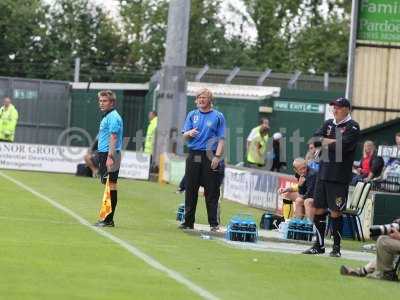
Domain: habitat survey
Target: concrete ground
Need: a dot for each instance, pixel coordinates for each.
(271, 240)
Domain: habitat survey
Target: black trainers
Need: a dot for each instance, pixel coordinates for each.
(335, 251)
(316, 249)
(390, 275)
(104, 224)
(358, 272)
(184, 226)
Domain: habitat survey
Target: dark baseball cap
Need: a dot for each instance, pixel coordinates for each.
(342, 102)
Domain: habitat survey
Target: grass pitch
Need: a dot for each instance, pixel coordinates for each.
(46, 254)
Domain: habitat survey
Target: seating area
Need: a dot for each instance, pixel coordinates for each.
(355, 209)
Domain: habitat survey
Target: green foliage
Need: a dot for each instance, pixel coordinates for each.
(80, 30)
(145, 23)
(42, 41)
(22, 31)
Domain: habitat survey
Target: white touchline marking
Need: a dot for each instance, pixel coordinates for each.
(132, 249)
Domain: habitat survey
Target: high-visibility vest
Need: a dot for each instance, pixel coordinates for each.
(257, 148)
(150, 136)
(8, 122)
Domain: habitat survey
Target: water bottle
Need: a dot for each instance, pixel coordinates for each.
(309, 229)
(296, 233)
(301, 225)
(290, 233)
(283, 229)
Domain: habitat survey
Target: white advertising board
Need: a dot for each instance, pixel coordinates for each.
(237, 185)
(64, 159)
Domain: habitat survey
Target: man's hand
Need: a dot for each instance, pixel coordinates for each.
(302, 179)
(109, 163)
(395, 235)
(215, 162)
(192, 133)
(326, 141)
(282, 191)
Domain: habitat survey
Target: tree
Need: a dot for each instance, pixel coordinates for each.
(23, 31)
(144, 23)
(309, 35)
(79, 29)
(274, 21)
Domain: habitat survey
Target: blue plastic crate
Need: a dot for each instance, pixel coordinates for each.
(300, 230)
(242, 228)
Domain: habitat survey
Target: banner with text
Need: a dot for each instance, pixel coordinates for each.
(264, 191)
(63, 159)
(237, 185)
(379, 20)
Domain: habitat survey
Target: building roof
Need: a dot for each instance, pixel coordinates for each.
(230, 91)
(109, 86)
(381, 126)
(234, 91)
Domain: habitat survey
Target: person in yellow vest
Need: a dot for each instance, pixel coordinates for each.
(264, 124)
(8, 120)
(257, 148)
(151, 133)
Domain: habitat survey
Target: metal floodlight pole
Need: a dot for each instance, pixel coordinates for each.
(77, 69)
(201, 73)
(232, 75)
(172, 99)
(326, 81)
(263, 76)
(293, 79)
(352, 50)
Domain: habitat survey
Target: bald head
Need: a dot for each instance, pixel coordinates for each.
(300, 166)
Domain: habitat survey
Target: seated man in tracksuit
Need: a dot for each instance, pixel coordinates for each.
(302, 194)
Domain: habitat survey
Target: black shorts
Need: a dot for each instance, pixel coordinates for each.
(113, 174)
(330, 195)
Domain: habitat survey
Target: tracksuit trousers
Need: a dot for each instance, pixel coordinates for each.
(198, 173)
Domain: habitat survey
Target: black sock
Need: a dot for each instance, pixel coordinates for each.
(337, 224)
(320, 225)
(113, 194)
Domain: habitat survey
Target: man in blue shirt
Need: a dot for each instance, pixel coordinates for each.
(109, 149)
(204, 131)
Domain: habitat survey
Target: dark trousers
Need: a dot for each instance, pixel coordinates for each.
(198, 172)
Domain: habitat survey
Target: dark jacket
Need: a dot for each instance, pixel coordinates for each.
(376, 165)
(306, 190)
(336, 164)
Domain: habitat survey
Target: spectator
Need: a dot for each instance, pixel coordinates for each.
(303, 193)
(264, 125)
(277, 164)
(370, 165)
(312, 156)
(151, 133)
(387, 251)
(8, 120)
(257, 148)
(392, 160)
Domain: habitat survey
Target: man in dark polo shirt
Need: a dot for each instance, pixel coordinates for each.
(204, 131)
(339, 138)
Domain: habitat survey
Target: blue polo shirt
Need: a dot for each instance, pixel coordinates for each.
(111, 123)
(211, 128)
